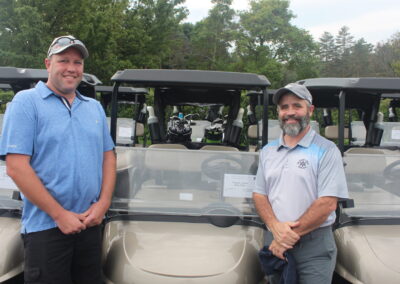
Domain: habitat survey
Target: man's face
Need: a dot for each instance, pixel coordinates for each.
(294, 114)
(65, 71)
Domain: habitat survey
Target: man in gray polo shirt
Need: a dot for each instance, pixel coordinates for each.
(299, 180)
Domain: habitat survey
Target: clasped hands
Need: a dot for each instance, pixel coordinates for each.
(72, 223)
(284, 238)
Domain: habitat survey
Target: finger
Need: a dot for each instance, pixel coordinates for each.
(293, 224)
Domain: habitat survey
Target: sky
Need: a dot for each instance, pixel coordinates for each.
(374, 20)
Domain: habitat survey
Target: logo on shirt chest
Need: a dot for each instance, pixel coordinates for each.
(303, 164)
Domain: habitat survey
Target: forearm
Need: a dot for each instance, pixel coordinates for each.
(264, 209)
(19, 169)
(316, 214)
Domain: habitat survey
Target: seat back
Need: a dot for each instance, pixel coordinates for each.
(219, 148)
(332, 132)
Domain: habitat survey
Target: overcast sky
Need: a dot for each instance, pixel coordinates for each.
(373, 20)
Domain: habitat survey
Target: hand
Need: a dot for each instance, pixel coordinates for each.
(95, 214)
(277, 249)
(70, 223)
(283, 233)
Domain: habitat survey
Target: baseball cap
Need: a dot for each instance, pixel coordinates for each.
(296, 89)
(61, 43)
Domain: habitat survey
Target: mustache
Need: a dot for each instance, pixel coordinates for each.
(287, 117)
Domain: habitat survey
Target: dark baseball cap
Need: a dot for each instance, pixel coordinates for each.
(62, 43)
(296, 89)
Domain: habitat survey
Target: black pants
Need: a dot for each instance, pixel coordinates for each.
(52, 257)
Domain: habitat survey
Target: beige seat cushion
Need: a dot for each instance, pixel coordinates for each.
(219, 148)
(252, 131)
(168, 146)
(332, 132)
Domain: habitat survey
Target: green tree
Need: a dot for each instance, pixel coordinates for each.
(387, 57)
(269, 44)
(212, 38)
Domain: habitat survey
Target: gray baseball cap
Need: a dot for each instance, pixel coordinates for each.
(296, 89)
(61, 43)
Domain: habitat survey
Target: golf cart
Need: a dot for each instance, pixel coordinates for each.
(12, 257)
(182, 210)
(128, 128)
(367, 235)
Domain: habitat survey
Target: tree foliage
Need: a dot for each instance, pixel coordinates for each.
(152, 34)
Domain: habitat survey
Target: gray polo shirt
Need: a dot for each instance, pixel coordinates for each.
(293, 178)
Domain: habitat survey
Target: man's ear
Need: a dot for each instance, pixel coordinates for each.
(312, 107)
(47, 62)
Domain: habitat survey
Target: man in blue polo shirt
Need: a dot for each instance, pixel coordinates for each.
(299, 180)
(59, 153)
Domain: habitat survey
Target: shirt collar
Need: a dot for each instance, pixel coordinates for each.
(304, 142)
(45, 91)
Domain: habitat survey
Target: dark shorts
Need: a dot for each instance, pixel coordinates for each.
(52, 257)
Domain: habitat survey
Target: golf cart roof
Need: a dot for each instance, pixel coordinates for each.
(125, 95)
(192, 78)
(22, 78)
(360, 92)
(193, 87)
(121, 90)
(5, 87)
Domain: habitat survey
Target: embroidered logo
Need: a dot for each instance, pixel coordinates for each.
(303, 164)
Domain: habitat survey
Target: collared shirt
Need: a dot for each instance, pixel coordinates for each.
(66, 145)
(293, 178)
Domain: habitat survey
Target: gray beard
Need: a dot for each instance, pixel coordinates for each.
(294, 129)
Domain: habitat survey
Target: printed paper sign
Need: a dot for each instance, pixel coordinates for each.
(5, 181)
(186, 196)
(239, 185)
(395, 134)
(125, 132)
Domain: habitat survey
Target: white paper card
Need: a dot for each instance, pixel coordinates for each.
(186, 196)
(125, 132)
(395, 134)
(239, 185)
(5, 181)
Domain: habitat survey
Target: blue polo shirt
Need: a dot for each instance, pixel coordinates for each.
(66, 145)
(293, 178)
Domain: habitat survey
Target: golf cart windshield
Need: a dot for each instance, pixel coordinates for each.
(185, 182)
(373, 182)
(8, 191)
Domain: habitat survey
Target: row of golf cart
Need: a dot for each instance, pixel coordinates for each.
(187, 156)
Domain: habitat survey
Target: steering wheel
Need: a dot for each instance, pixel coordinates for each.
(392, 171)
(219, 164)
(222, 214)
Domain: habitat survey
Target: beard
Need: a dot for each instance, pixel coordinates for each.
(293, 129)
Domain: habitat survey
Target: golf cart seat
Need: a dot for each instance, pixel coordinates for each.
(252, 131)
(168, 146)
(218, 148)
(252, 135)
(332, 132)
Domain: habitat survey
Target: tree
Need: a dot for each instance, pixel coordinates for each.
(387, 57)
(212, 38)
(269, 44)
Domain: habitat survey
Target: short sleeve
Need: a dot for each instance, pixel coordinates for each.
(108, 142)
(19, 127)
(260, 178)
(331, 176)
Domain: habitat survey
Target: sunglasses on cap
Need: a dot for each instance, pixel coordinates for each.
(61, 43)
